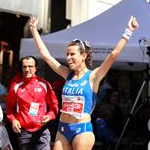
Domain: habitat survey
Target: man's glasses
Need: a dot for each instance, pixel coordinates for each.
(85, 45)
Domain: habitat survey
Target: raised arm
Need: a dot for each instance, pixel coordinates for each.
(43, 51)
(101, 71)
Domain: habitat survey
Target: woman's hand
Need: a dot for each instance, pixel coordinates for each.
(131, 27)
(33, 22)
(132, 24)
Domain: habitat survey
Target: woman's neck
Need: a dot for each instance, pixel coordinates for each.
(78, 74)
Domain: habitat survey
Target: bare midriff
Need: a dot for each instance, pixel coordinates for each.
(67, 118)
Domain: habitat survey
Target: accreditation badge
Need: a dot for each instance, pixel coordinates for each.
(34, 107)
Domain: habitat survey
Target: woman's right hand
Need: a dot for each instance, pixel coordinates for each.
(33, 23)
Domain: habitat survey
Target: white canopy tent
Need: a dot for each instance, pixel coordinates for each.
(103, 32)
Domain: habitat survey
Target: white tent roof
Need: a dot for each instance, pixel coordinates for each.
(103, 32)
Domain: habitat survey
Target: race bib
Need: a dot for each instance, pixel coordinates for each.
(73, 105)
(34, 107)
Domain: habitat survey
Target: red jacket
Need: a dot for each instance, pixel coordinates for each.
(28, 100)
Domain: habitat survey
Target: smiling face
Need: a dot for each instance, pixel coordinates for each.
(81, 50)
(75, 59)
(29, 67)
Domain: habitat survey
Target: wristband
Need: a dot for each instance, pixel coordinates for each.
(127, 34)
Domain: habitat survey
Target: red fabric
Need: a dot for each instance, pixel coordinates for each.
(22, 93)
(57, 87)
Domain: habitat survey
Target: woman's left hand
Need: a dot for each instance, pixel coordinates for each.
(132, 24)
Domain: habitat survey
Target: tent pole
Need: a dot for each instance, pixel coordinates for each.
(148, 53)
(130, 115)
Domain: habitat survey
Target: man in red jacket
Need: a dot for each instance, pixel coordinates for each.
(31, 104)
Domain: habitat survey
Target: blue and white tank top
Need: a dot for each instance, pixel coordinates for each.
(77, 96)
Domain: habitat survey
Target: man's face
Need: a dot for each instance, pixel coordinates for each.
(28, 67)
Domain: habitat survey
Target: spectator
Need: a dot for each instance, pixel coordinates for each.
(4, 138)
(109, 119)
(31, 104)
(3, 94)
(111, 111)
(111, 82)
